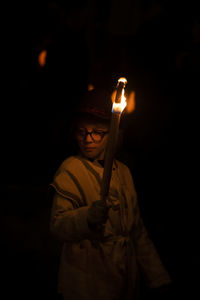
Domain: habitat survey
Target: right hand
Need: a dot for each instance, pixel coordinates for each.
(98, 213)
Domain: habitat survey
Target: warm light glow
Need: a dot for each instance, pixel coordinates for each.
(122, 79)
(131, 103)
(119, 107)
(42, 58)
(90, 87)
(113, 96)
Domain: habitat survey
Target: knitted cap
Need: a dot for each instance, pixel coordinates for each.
(96, 102)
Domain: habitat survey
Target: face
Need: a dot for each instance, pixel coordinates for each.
(89, 147)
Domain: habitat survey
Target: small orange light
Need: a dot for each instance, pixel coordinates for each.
(42, 58)
(90, 87)
(113, 96)
(131, 103)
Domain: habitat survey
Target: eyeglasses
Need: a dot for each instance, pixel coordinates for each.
(96, 135)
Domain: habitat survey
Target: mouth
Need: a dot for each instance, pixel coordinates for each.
(88, 149)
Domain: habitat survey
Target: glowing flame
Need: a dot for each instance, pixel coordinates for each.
(42, 58)
(119, 107)
(131, 103)
(122, 79)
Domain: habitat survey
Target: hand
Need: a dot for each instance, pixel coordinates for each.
(97, 213)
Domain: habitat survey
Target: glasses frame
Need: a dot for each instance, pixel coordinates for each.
(82, 137)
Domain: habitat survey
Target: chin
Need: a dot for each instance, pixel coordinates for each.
(91, 155)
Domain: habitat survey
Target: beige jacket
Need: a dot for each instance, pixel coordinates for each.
(108, 267)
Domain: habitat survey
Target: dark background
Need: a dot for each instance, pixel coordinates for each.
(155, 45)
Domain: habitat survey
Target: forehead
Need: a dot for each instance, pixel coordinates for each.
(88, 122)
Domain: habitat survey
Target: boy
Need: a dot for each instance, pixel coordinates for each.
(106, 247)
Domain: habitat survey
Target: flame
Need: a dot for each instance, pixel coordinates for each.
(119, 107)
(42, 58)
(113, 96)
(122, 79)
(131, 103)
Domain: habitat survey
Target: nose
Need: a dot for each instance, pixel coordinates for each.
(88, 138)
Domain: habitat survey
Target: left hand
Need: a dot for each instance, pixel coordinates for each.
(97, 213)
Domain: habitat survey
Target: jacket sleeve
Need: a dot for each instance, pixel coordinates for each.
(69, 210)
(151, 266)
(67, 222)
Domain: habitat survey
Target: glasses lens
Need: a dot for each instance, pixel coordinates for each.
(96, 136)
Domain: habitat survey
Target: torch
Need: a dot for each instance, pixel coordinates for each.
(118, 106)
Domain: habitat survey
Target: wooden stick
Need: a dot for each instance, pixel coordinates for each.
(109, 154)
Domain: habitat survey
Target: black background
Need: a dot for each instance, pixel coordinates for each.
(159, 56)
